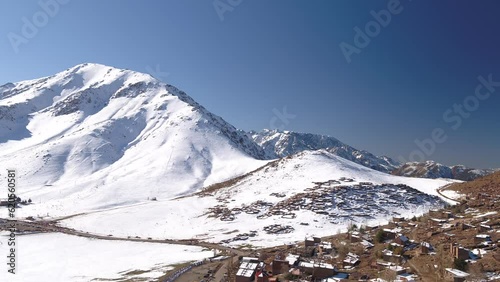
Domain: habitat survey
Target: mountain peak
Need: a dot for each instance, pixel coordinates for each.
(91, 120)
(89, 67)
(91, 70)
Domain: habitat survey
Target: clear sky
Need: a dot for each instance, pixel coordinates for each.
(247, 60)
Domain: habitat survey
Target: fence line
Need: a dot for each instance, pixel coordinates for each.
(183, 270)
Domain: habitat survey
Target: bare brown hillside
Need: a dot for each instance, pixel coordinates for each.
(489, 184)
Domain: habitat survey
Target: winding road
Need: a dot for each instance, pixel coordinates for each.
(439, 191)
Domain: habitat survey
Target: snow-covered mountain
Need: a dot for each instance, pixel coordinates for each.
(312, 192)
(278, 144)
(115, 148)
(431, 169)
(114, 137)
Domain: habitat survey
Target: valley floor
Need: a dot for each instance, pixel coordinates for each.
(62, 257)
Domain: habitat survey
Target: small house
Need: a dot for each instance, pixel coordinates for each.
(426, 248)
(280, 266)
(459, 252)
(246, 272)
(402, 240)
(456, 275)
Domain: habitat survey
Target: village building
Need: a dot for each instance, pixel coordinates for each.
(464, 226)
(367, 244)
(426, 248)
(480, 238)
(246, 272)
(249, 259)
(323, 248)
(323, 270)
(407, 277)
(261, 276)
(318, 270)
(436, 221)
(381, 265)
(390, 234)
(292, 259)
(389, 256)
(448, 214)
(484, 228)
(434, 212)
(402, 240)
(306, 267)
(398, 270)
(459, 252)
(312, 241)
(456, 275)
(370, 227)
(354, 238)
(336, 278)
(398, 219)
(351, 260)
(280, 266)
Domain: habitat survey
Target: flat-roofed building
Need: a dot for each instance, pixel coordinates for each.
(246, 272)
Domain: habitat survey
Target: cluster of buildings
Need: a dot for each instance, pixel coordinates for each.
(468, 237)
(321, 261)
(317, 260)
(463, 238)
(289, 267)
(357, 202)
(353, 202)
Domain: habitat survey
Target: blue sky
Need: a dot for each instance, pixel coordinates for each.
(249, 60)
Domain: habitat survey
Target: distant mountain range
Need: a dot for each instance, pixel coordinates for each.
(432, 169)
(278, 144)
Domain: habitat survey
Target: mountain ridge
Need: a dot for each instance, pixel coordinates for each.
(276, 143)
(279, 143)
(432, 169)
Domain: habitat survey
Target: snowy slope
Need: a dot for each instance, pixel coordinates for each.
(94, 136)
(240, 208)
(64, 258)
(276, 143)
